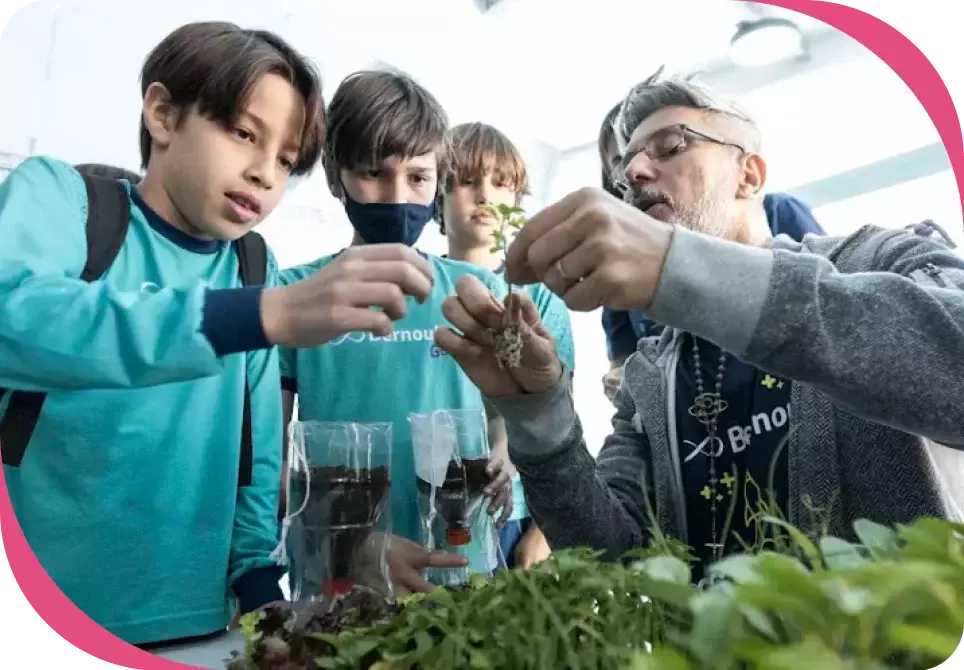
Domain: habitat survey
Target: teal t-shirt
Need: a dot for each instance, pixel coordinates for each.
(363, 378)
(128, 490)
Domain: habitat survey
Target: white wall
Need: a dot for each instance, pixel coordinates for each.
(935, 197)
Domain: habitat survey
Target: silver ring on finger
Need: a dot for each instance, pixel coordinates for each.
(566, 278)
(562, 273)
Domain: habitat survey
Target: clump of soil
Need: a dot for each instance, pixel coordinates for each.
(344, 504)
(508, 338)
(459, 496)
(508, 345)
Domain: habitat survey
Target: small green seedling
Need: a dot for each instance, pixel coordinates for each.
(508, 339)
(509, 219)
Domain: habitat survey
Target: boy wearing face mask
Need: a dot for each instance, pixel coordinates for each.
(487, 168)
(384, 152)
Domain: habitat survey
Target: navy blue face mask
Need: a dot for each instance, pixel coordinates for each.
(388, 223)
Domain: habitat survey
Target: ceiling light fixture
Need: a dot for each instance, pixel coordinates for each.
(767, 41)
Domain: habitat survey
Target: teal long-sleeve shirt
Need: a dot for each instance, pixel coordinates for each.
(128, 491)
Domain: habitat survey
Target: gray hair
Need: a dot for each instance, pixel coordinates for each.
(656, 93)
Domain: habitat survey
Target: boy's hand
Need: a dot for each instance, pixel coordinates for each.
(363, 290)
(407, 560)
(612, 379)
(499, 490)
(532, 548)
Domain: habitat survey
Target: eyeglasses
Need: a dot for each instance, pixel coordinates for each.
(663, 145)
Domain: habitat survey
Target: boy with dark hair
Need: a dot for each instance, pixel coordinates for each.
(487, 168)
(385, 149)
(136, 339)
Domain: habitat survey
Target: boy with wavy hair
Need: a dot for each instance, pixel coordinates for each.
(486, 168)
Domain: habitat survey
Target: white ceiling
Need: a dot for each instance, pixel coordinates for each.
(544, 71)
(551, 69)
(541, 69)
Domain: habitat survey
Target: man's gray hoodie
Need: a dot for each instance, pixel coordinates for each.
(870, 328)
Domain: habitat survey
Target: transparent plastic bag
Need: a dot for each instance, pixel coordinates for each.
(337, 528)
(451, 450)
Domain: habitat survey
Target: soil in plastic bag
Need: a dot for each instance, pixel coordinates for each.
(344, 503)
(459, 496)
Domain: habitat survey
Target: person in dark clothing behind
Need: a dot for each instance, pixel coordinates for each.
(787, 216)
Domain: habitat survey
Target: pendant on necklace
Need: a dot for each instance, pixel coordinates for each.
(707, 407)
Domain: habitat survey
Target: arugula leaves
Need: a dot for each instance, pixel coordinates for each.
(893, 601)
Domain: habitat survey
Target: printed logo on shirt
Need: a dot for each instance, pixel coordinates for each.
(416, 336)
(739, 437)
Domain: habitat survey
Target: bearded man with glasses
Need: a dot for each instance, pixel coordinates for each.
(785, 215)
(792, 379)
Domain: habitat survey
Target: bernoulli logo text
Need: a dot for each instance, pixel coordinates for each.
(397, 337)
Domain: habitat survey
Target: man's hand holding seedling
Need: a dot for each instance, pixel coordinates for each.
(592, 250)
(476, 314)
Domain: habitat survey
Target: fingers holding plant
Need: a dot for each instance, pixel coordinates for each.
(502, 346)
(365, 288)
(527, 364)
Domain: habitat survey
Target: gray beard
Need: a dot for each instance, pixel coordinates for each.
(709, 215)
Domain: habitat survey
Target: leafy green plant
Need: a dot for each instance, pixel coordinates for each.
(893, 600)
(508, 340)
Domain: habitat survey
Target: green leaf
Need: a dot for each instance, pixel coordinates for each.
(841, 555)
(849, 599)
(360, 647)
(804, 544)
(789, 591)
(479, 660)
(715, 620)
(662, 658)
(908, 637)
(666, 569)
(672, 594)
(880, 541)
(760, 622)
(741, 568)
(804, 656)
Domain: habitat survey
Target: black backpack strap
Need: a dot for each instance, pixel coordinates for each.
(108, 218)
(253, 259)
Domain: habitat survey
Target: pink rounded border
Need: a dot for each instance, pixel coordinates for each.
(905, 59)
(883, 40)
